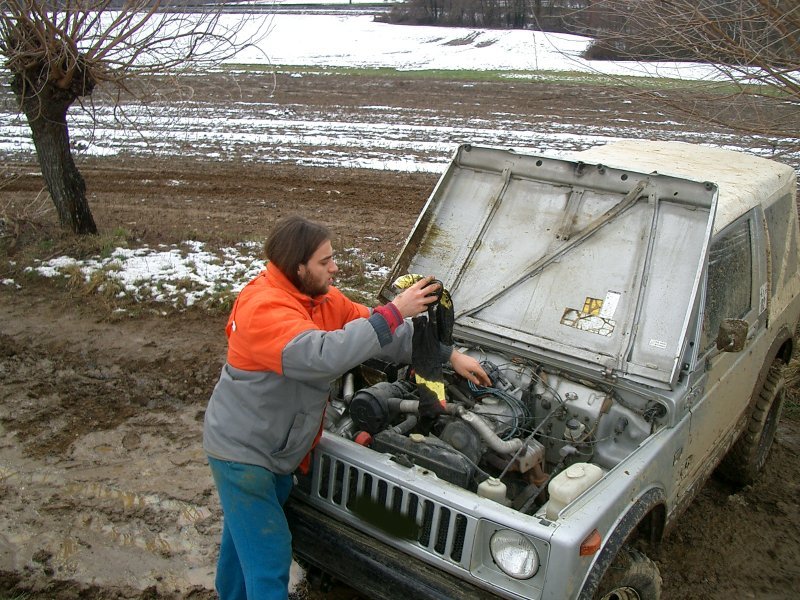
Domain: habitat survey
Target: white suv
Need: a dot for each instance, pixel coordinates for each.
(634, 305)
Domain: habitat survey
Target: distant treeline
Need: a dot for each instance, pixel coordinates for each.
(630, 29)
(722, 31)
(567, 16)
(581, 17)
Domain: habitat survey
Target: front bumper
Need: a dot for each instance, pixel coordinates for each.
(374, 569)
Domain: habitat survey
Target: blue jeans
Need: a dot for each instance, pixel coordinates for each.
(256, 549)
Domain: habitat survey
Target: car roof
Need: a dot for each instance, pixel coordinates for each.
(744, 180)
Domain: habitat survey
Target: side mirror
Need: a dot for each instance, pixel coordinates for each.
(732, 335)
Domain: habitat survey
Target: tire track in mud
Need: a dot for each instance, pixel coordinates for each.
(105, 514)
(102, 475)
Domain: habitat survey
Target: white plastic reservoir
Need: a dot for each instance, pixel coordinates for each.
(569, 484)
(493, 489)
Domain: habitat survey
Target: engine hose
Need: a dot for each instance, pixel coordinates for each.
(344, 428)
(407, 425)
(489, 436)
(460, 396)
(348, 388)
(404, 406)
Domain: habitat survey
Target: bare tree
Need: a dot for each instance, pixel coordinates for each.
(61, 51)
(754, 44)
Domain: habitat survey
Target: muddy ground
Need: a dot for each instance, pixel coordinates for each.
(104, 488)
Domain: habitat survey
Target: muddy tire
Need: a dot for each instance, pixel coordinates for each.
(747, 456)
(632, 576)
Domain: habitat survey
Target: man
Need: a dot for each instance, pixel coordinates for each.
(290, 333)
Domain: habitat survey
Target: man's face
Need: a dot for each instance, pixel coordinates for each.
(316, 276)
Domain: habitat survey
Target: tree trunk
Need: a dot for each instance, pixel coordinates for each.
(46, 113)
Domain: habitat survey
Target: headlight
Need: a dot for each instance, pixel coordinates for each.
(514, 554)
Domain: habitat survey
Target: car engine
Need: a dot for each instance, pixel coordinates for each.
(516, 435)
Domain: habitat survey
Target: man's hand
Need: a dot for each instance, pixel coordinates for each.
(414, 300)
(469, 368)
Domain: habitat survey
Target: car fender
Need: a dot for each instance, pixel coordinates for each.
(642, 506)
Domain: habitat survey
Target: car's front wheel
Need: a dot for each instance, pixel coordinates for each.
(632, 576)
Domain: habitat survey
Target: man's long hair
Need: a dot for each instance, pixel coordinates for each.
(292, 242)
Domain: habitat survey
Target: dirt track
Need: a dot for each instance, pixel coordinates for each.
(103, 482)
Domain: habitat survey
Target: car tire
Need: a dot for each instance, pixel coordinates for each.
(632, 576)
(747, 456)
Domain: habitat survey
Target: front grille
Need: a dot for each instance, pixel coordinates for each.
(434, 528)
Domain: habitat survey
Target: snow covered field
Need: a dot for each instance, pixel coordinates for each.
(323, 40)
(358, 41)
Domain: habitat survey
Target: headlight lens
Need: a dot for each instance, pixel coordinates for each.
(514, 554)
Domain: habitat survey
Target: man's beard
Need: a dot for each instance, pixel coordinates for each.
(312, 288)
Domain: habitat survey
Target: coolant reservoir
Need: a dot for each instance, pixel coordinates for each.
(493, 489)
(569, 484)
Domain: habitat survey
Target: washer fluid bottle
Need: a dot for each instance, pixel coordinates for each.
(569, 484)
(493, 489)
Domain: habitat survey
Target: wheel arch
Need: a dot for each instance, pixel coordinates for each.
(646, 517)
(782, 348)
(785, 345)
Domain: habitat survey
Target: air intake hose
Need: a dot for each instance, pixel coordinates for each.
(374, 408)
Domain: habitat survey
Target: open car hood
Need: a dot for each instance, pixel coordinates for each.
(592, 267)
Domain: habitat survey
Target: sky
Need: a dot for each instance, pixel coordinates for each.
(189, 273)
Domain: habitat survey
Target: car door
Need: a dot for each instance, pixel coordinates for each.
(736, 288)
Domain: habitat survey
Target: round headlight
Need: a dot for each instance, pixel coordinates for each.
(514, 554)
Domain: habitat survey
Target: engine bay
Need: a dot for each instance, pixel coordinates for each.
(509, 439)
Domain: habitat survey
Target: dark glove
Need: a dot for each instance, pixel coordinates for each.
(427, 365)
(445, 318)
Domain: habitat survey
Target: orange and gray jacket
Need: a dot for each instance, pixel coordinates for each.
(284, 350)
